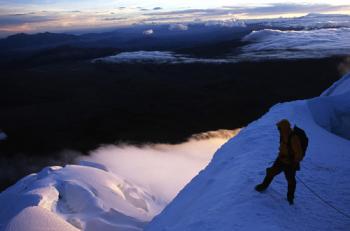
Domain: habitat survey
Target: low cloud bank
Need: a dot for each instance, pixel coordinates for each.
(163, 169)
(178, 27)
(293, 44)
(310, 36)
(159, 57)
(148, 32)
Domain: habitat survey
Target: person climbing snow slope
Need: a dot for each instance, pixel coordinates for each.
(293, 144)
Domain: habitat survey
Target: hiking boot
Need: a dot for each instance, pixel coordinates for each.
(260, 188)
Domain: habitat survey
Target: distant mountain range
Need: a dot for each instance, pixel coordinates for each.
(198, 39)
(132, 38)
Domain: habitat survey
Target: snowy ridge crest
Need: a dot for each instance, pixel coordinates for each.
(83, 197)
(222, 197)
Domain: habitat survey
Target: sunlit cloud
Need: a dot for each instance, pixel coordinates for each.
(27, 16)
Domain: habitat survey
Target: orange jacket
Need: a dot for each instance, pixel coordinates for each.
(295, 155)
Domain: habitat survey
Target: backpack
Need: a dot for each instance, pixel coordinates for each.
(304, 140)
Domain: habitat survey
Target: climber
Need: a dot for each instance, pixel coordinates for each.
(293, 145)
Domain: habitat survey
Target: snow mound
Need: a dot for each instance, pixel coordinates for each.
(36, 218)
(332, 111)
(86, 197)
(222, 197)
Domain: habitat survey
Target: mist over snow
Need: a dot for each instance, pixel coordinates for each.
(163, 169)
(115, 188)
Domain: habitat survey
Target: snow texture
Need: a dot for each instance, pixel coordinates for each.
(83, 196)
(37, 218)
(222, 197)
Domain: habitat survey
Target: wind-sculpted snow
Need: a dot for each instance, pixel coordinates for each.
(296, 44)
(37, 218)
(115, 188)
(85, 197)
(332, 112)
(222, 197)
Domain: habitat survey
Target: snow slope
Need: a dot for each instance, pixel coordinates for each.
(90, 196)
(222, 197)
(86, 197)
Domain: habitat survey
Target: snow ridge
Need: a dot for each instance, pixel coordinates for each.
(222, 197)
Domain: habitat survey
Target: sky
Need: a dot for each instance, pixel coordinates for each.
(66, 15)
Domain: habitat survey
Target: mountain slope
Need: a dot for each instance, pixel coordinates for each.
(222, 196)
(91, 197)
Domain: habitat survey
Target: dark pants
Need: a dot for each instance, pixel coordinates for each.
(289, 173)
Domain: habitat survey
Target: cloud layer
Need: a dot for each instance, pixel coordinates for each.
(26, 16)
(161, 168)
(290, 44)
(158, 57)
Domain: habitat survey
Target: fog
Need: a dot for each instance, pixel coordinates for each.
(163, 169)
